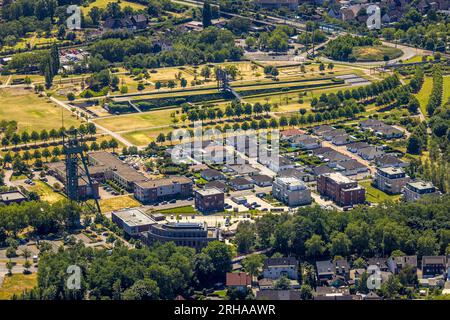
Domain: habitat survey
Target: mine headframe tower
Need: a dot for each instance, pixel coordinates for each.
(223, 83)
(77, 170)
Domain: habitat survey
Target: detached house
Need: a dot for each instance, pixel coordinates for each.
(396, 264)
(275, 268)
(239, 280)
(433, 266)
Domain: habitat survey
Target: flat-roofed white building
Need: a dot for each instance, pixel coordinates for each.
(291, 191)
(132, 221)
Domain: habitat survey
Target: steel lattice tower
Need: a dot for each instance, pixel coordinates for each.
(76, 168)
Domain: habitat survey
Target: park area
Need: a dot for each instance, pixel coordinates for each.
(31, 111)
(376, 53)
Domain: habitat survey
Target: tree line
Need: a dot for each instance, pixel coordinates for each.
(334, 100)
(14, 138)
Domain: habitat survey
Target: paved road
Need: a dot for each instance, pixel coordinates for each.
(111, 133)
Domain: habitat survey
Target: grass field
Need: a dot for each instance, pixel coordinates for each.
(32, 112)
(179, 210)
(104, 3)
(376, 196)
(138, 121)
(16, 284)
(376, 53)
(446, 89)
(144, 137)
(45, 192)
(118, 203)
(424, 95)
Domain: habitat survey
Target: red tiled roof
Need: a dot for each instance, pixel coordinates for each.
(238, 279)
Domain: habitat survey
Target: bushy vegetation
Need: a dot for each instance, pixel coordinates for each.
(209, 45)
(437, 91)
(158, 272)
(341, 48)
(41, 217)
(420, 228)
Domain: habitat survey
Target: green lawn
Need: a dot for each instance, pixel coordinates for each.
(375, 195)
(179, 210)
(375, 53)
(424, 94)
(104, 3)
(31, 111)
(137, 121)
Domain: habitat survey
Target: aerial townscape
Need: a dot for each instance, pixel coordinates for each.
(224, 150)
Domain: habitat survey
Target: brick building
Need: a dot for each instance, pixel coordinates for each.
(209, 200)
(342, 190)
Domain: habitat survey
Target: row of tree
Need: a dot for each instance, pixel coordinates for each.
(14, 138)
(435, 100)
(335, 100)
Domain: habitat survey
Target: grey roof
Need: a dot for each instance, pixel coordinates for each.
(358, 145)
(278, 295)
(216, 184)
(240, 182)
(317, 171)
(388, 160)
(426, 260)
(261, 178)
(351, 165)
(280, 262)
(210, 173)
(324, 267)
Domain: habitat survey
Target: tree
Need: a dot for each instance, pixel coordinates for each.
(171, 84)
(158, 85)
(9, 266)
(315, 246)
(340, 244)
(245, 235)
(161, 138)
(427, 245)
(183, 82)
(306, 292)
(35, 136)
(206, 15)
(205, 72)
(145, 289)
(414, 145)
(253, 263)
(282, 283)
(113, 144)
(220, 255)
(390, 288)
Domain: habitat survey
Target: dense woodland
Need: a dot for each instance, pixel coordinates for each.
(421, 228)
